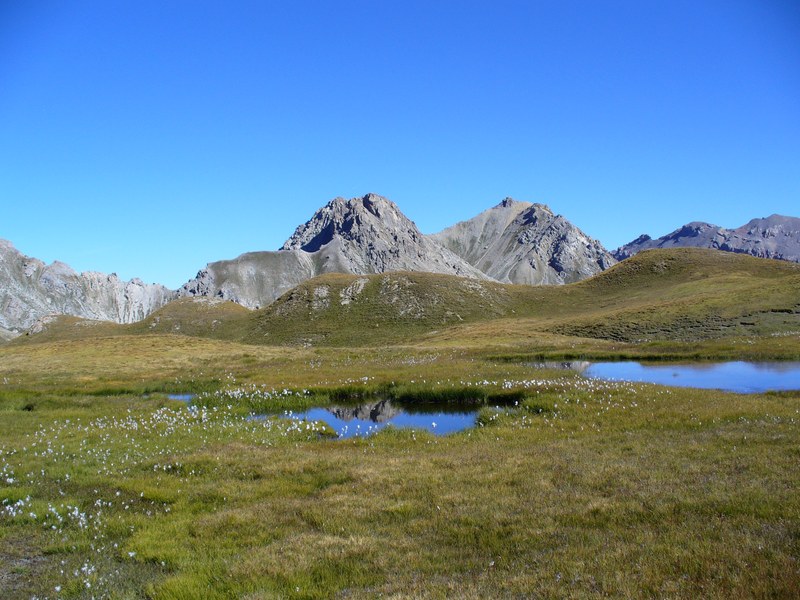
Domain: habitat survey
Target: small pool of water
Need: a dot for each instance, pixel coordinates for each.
(365, 419)
(742, 377)
(181, 397)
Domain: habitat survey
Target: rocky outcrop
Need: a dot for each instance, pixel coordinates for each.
(359, 236)
(31, 290)
(254, 279)
(519, 242)
(776, 236)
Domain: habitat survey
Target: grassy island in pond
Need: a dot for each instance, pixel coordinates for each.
(565, 488)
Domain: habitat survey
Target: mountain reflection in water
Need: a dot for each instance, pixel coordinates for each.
(364, 419)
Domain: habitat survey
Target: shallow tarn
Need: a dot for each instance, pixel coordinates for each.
(363, 419)
(350, 421)
(738, 376)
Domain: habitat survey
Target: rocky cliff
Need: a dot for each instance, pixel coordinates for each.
(519, 242)
(253, 279)
(776, 236)
(31, 290)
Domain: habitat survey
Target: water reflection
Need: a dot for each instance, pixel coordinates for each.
(740, 376)
(380, 412)
(364, 419)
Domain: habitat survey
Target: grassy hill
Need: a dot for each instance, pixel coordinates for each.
(681, 294)
(344, 310)
(197, 317)
(676, 295)
(686, 294)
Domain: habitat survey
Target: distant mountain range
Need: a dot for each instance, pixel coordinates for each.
(31, 290)
(773, 237)
(513, 242)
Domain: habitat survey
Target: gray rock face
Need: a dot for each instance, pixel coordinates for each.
(254, 279)
(519, 242)
(359, 236)
(371, 235)
(772, 237)
(31, 290)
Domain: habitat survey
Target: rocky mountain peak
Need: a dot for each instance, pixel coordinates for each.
(642, 239)
(363, 235)
(372, 203)
(520, 242)
(772, 225)
(694, 228)
(507, 202)
(355, 219)
(370, 234)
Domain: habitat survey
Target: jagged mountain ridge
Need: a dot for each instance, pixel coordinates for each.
(31, 290)
(514, 242)
(371, 235)
(520, 242)
(776, 236)
(359, 236)
(524, 243)
(657, 295)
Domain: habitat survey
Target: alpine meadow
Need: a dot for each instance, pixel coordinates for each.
(346, 299)
(113, 485)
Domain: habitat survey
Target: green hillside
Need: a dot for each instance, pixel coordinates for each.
(682, 294)
(196, 317)
(678, 295)
(379, 309)
(686, 294)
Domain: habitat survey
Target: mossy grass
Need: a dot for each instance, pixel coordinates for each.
(568, 488)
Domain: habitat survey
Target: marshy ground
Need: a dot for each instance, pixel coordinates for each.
(565, 488)
(581, 488)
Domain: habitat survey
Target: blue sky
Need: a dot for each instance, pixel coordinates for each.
(149, 138)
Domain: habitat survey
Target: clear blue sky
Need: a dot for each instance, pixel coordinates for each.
(148, 138)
